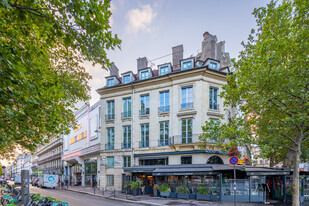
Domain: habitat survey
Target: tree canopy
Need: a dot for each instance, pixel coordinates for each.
(43, 44)
(270, 86)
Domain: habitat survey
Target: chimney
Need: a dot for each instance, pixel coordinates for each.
(177, 54)
(220, 50)
(113, 70)
(142, 63)
(209, 46)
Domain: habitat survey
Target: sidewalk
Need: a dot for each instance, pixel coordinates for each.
(149, 200)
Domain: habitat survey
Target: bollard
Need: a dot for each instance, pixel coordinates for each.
(103, 191)
(93, 190)
(114, 192)
(126, 194)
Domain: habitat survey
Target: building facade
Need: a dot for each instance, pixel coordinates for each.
(49, 156)
(81, 148)
(154, 116)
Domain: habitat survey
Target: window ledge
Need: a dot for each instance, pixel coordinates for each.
(163, 114)
(126, 119)
(214, 113)
(186, 113)
(110, 121)
(144, 116)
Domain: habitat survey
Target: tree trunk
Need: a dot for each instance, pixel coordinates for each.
(295, 200)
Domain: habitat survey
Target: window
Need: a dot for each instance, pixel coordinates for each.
(110, 162)
(188, 64)
(186, 130)
(213, 65)
(213, 98)
(164, 134)
(126, 161)
(164, 70)
(214, 160)
(154, 161)
(186, 98)
(110, 180)
(126, 137)
(144, 105)
(94, 127)
(110, 138)
(110, 82)
(126, 79)
(186, 160)
(126, 108)
(144, 135)
(164, 102)
(144, 74)
(110, 110)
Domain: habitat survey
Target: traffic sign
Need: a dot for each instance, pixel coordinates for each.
(3, 167)
(234, 160)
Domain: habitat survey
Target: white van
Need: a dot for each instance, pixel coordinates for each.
(49, 181)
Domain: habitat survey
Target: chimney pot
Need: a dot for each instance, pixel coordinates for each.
(177, 54)
(142, 63)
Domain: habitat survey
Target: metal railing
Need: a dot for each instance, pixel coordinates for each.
(214, 106)
(125, 115)
(164, 109)
(109, 146)
(163, 142)
(143, 144)
(144, 112)
(126, 145)
(110, 117)
(184, 139)
(188, 105)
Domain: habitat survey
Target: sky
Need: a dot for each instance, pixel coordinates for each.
(150, 28)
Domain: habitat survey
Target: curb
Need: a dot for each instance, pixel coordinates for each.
(117, 199)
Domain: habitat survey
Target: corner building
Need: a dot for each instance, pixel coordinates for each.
(153, 118)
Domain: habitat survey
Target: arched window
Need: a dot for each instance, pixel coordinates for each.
(214, 160)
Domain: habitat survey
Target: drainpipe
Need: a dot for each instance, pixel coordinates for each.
(132, 127)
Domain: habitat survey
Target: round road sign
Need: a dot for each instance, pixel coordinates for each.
(3, 167)
(234, 160)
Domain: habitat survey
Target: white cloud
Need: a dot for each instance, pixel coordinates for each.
(113, 8)
(140, 19)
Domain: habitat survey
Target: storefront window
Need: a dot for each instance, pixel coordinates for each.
(306, 188)
(90, 171)
(257, 188)
(242, 190)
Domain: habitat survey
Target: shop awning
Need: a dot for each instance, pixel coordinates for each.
(184, 171)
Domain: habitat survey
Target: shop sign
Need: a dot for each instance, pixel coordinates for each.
(118, 161)
(91, 160)
(267, 173)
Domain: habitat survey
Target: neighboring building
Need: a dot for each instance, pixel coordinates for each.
(34, 164)
(50, 156)
(154, 117)
(81, 148)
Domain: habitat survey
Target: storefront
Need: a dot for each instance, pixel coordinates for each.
(253, 184)
(90, 166)
(76, 175)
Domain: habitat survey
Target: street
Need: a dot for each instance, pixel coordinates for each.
(74, 198)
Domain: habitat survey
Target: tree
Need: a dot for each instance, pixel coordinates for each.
(271, 84)
(1, 170)
(43, 44)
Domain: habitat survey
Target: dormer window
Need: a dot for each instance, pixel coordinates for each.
(144, 74)
(126, 79)
(213, 65)
(110, 82)
(163, 70)
(186, 64)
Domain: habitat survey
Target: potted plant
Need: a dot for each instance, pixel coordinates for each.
(183, 192)
(141, 188)
(127, 185)
(165, 190)
(202, 193)
(155, 190)
(134, 186)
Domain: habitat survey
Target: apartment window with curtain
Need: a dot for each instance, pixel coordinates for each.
(126, 108)
(186, 98)
(110, 138)
(110, 180)
(144, 105)
(126, 161)
(213, 98)
(144, 135)
(186, 130)
(164, 134)
(164, 102)
(126, 137)
(110, 162)
(110, 110)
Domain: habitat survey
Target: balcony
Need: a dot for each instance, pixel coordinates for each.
(188, 105)
(214, 106)
(109, 146)
(144, 112)
(143, 144)
(125, 115)
(109, 117)
(164, 109)
(163, 142)
(184, 139)
(126, 145)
